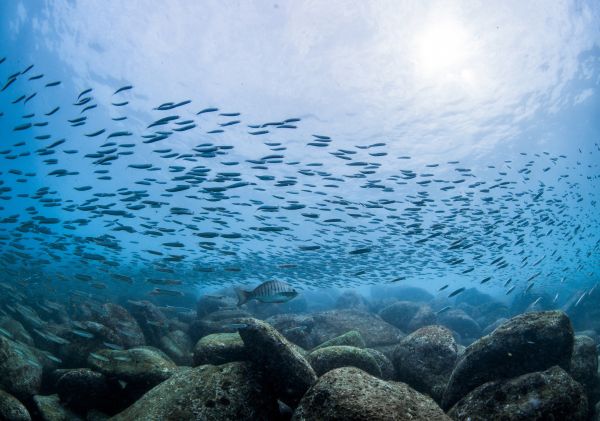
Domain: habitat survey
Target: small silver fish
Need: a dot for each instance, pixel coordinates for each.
(267, 292)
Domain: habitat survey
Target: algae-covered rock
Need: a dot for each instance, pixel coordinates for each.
(11, 409)
(425, 359)
(296, 328)
(351, 338)
(20, 370)
(289, 372)
(219, 348)
(351, 394)
(400, 313)
(461, 323)
(233, 391)
(385, 365)
(49, 408)
(547, 395)
(323, 360)
(82, 389)
(374, 330)
(143, 366)
(177, 345)
(584, 367)
(526, 343)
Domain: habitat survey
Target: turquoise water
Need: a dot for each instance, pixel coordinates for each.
(191, 147)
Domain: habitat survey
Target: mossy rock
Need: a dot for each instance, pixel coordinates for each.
(351, 338)
(326, 359)
(219, 348)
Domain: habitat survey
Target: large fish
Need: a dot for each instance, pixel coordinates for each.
(267, 292)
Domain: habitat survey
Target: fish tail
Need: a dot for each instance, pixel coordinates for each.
(242, 296)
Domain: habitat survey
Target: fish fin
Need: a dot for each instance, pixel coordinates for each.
(242, 296)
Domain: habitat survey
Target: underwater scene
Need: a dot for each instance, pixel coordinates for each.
(299, 210)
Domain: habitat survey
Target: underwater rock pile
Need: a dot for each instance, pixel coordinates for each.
(396, 359)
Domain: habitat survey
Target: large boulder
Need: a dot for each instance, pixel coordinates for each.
(289, 372)
(352, 338)
(296, 328)
(142, 367)
(461, 323)
(584, 367)
(526, 343)
(11, 409)
(82, 389)
(16, 330)
(385, 365)
(124, 325)
(325, 359)
(351, 394)
(547, 395)
(20, 370)
(351, 299)
(375, 331)
(177, 345)
(425, 359)
(49, 408)
(400, 313)
(151, 320)
(233, 391)
(219, 348)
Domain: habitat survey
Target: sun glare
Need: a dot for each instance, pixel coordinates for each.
(442, 48)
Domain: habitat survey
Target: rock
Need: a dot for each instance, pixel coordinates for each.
(351, 338)
(82, 389)
(123, 324)
(177, 345)
(351, 299)
(48, 408)
(584, 367)
(487, 313)
(151, 320)
(233, 391)
(425, 359)
(289, 372)
(16, 330)
(219, 348)
(296, 328)
(473, 297)
(526, 343)
(11, 409)
(207, 304)
(20, 370)
(547, 395)
(375, 331)
(265, 310)
(491, 327)
(424, 317)
(385, 365)
(143, 367)
(462, 323)
(351, 394)
(323, 360)
(400, 314)
(221, 321)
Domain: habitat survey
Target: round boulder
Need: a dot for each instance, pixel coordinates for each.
(351, 394)
(219, 348)
(11, 409)
(425, 359)
(323, 360)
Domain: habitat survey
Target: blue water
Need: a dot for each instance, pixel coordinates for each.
(386, 145)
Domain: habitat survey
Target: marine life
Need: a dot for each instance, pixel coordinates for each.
(267, 292)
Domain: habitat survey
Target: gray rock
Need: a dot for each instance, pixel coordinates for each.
(492, 326)
(351, 299)
(385, 365)
(400, 314)
(296, 328)
(123, 324)
(219, 348)
(16, 329)
(326, 359)
(584, 367)
(151, 320)
(351, 394)
(291, 375)
(177, 345)
(82, 389)
(352, 338)
(374, 330)
(424, 317)
(547, 395)
(11, 409)
(462, 323)
(143, 367)
(425, 359)
(526, 343)
(20, 370)
(48, 408)
(233, 391)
